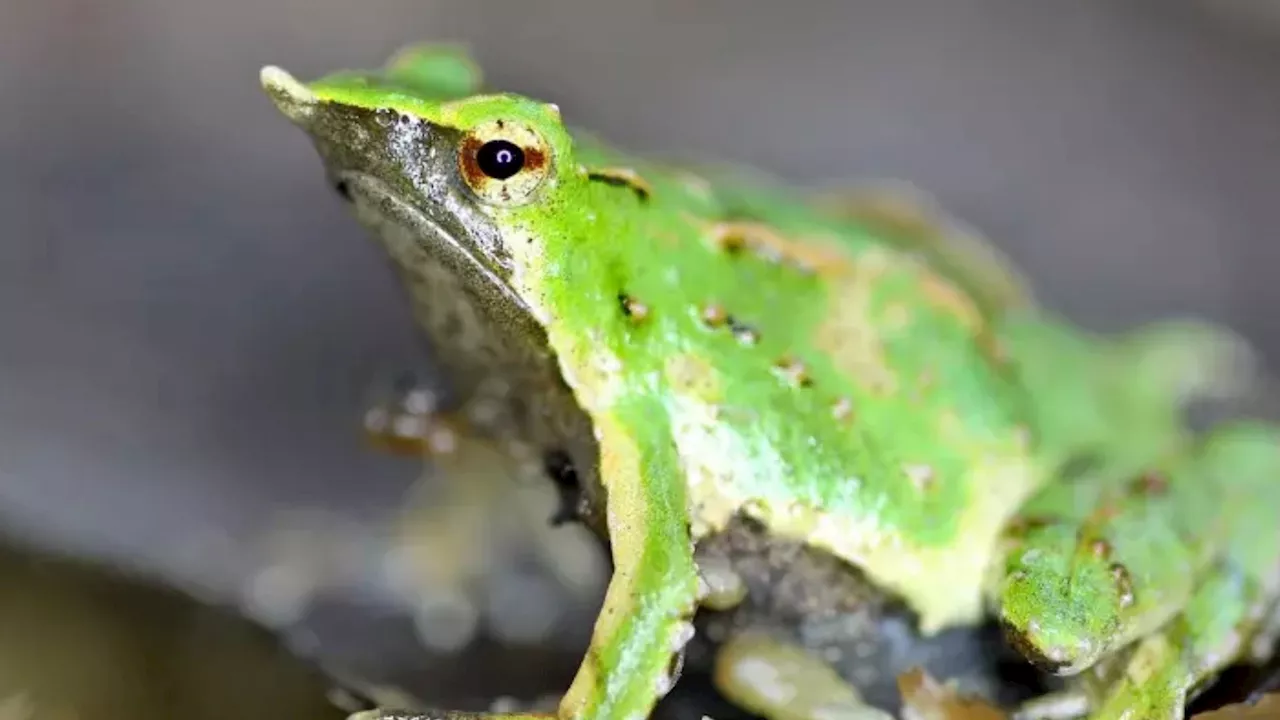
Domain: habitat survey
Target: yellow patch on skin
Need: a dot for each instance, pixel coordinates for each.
(849, 335)
(718, 462)
(693, 376)
(896, 317)
(946, 295)
(593, 372)
(713, 459)
(1004, 481)
(822, 259)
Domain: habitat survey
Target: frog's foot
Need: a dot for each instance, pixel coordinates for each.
(779, 680)
(1164, 671)
(915, 220)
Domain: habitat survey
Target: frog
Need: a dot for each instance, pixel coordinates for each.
(693, 346)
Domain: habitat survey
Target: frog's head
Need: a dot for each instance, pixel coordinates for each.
(473, 177)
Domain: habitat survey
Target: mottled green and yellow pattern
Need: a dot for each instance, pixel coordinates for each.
(740, 348)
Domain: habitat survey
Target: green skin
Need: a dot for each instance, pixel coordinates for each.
(827, 370)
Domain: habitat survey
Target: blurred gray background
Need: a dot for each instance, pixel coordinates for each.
(190, 321)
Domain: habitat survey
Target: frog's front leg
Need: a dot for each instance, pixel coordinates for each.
(1159, 676)
(644, 624)
(635, 651)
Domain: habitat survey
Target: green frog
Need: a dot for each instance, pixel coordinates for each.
(852, 372)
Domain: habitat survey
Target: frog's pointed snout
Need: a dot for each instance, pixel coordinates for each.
(294, 99)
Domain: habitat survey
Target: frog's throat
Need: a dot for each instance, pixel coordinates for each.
(436, 233)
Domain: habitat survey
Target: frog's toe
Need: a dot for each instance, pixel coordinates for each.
(403, 420)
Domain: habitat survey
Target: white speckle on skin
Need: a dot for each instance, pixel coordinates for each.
(682, 635)
(921, 476)
(664, 684)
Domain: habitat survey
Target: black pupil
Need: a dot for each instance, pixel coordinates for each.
(500, 159)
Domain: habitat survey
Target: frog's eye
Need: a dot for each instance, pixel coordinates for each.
(504, 162)
(500, 159)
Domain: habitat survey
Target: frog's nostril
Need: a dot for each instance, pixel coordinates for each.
(343, 189)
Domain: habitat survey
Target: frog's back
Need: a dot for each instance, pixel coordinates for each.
(815, 375)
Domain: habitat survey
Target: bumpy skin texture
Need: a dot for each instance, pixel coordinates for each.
(708, 349)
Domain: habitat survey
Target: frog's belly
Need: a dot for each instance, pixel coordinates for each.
(807, 596)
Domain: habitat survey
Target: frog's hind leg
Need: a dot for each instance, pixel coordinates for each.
(1185, 565)
(1166, 670)
(907, 216)
(1231, 606)
(1122, 400)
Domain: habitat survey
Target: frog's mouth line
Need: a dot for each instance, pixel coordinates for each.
(430, 234)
